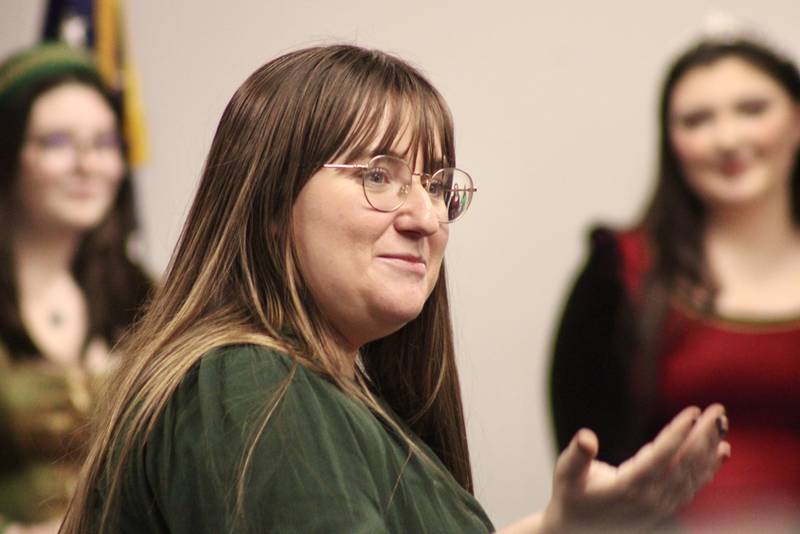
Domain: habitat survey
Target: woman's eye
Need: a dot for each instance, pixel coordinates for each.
(753, 106)
(109, 141)
(435, 188)
(377, 177)
(55, 140)
(694, 119)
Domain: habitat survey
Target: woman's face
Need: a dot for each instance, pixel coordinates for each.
(71, 163)
(736, 132)
(370, 272)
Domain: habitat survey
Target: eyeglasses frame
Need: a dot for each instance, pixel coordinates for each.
(425, 180)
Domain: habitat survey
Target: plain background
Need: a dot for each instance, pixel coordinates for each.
(554, 104)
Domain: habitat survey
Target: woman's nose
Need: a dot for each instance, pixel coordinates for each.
(728, 134)
(418, 213)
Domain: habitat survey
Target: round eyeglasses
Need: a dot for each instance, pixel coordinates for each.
(387, 182)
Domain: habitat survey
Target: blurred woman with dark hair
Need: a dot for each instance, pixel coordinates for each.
(701, 300)
(68, 288)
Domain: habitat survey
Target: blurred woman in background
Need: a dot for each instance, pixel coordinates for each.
(700, 301)
(68, 287)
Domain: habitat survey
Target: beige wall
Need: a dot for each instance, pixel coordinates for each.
(554, 106)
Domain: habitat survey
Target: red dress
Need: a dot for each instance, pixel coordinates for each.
(753, 369)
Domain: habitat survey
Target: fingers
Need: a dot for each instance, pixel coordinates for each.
(586, 440)
(663, 475)
(706, 441)
(711, 427)
(685, 455)
(724, 451)
(574, 462)
(722, 425)
(657, 456)
(695, 462)
(703, 453)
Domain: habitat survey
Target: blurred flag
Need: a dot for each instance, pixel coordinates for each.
(98, 26)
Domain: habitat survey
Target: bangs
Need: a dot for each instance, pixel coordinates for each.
(383, 121)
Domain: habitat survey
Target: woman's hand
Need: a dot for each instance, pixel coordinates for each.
(592, 496)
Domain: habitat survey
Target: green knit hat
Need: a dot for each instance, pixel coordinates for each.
(39, 63)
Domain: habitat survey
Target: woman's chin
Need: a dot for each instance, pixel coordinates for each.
(396, 317)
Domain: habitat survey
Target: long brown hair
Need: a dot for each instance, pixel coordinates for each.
(234, 278)
(114, 284)
(675, 219)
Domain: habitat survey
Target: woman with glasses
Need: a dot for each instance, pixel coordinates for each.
(701, 300)
(295, 372)
(67, 285)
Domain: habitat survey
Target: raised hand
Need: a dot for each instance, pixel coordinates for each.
(592, 496)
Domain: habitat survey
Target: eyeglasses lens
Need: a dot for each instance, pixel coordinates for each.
(387, 181)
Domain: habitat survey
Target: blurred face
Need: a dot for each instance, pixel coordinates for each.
(736, 132)
(71, 164)
(370, 272)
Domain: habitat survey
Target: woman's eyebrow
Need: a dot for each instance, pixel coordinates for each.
(361, 155)
(364, 155)
(393, 153)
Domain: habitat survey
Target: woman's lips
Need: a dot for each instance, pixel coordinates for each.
(733, 167)
(405, 262)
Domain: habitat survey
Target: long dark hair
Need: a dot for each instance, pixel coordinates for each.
(114, 286)
(234, 275)
(675, 219)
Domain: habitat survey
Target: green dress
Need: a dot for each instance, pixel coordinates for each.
(324, 464)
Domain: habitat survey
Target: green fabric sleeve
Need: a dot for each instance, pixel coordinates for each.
(310, 472)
